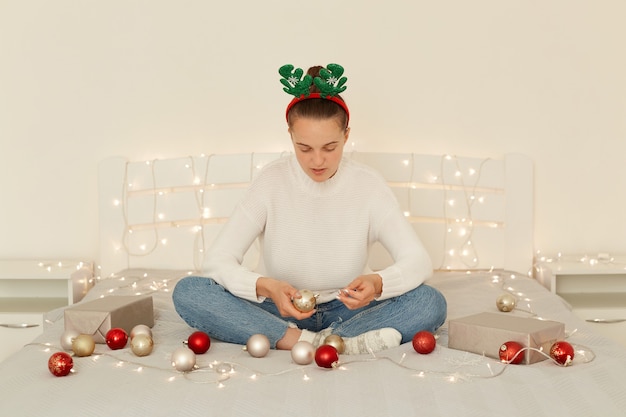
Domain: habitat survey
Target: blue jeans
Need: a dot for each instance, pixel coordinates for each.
(207, 306)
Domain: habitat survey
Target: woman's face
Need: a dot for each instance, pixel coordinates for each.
(318, 144)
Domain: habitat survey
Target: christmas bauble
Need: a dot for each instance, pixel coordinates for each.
(510, 352)
(116, 338)
(336, 341)
(258, 345)
(140, 329)
(306, 302)
(141, 345)
(83, 345)
(506, 302)
(67, 338)
(424, 342)
(562, 352)
(199, 342)
(183, 359)
(60, 364)
(326, 356)
(303, 352)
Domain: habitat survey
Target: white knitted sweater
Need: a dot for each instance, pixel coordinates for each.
(317, 235)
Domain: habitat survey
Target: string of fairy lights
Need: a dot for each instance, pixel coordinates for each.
(467, 251)
(219, 368)
(199, 184)
(459, 197)
(219, 372)
(212, 371)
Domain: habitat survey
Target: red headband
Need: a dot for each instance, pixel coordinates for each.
(334, 99)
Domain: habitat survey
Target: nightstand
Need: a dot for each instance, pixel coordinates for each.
(30, 288)
(595, 287)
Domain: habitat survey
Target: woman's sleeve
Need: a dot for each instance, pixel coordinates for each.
(412, 264)
(224, 259)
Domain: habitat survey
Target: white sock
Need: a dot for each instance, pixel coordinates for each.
(316, 339)
(372, 341)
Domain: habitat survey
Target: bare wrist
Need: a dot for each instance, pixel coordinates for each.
(378, 283)
(262, 286)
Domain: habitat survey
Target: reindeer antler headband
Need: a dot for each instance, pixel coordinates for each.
(330, 83)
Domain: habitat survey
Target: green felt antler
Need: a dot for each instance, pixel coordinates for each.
(293, 81)
(330, 82)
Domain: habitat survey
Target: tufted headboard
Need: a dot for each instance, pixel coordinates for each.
(471, 213)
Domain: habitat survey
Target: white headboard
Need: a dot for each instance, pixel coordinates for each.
(471, 213)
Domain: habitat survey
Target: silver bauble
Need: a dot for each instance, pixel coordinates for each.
(140, 329)
(303, 352)
(306, 302)
(506, 302)
(258, 345)
(67, 338)
(183, 359)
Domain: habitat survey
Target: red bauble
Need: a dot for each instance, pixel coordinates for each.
(326, 356)
(509, 353)
(116, 338)
(199, 342)
(60, 364)
(424, 342)
(562, 352)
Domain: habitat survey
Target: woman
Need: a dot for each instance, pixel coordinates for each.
(316, 215)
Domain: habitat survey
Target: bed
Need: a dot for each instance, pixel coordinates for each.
(474, 215)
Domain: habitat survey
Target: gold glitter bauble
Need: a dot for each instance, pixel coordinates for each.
(335, 341)
(141, 345)
(506, 302)
(306, 302)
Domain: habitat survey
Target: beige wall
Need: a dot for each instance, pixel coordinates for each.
(84, 80)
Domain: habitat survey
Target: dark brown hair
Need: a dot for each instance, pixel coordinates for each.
(318, 108)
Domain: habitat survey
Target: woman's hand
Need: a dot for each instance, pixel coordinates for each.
(361, 291)
(281, 294)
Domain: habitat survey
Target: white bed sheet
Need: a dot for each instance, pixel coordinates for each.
(396, 382)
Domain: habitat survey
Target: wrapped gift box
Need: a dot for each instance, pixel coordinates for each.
(99, 316)
(484, 333)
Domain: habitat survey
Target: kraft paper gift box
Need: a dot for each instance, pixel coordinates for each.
(484, 333)
(99, 316)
